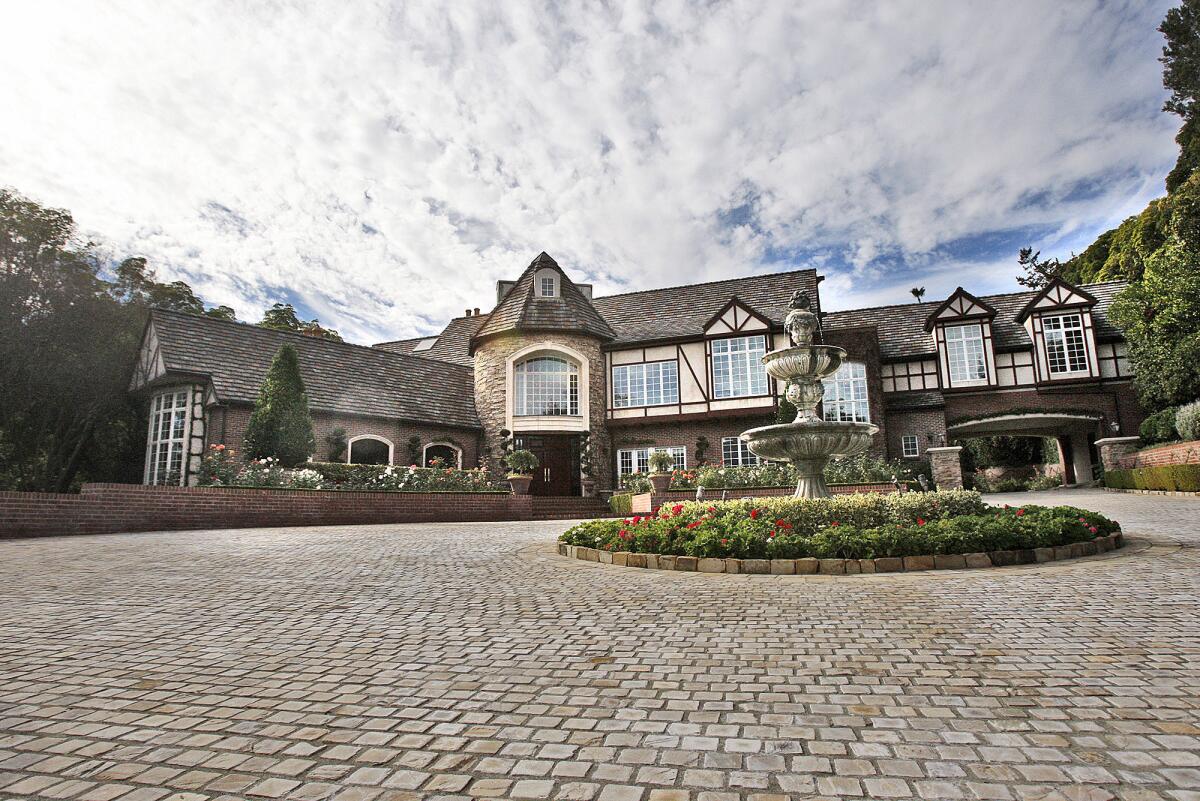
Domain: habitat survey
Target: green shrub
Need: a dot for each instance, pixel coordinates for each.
(1159, 427)
(857, 527)
(1041, 481)
(661, 462)
(861, 469)
(521, 463)
(621, 503)
(1169, 478)
(1187, 421)
(280, 426)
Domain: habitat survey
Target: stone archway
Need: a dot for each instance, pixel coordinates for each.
(1075, 432)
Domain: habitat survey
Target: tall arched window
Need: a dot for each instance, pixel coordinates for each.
(450, 455)
(846, 394)
(545, 385)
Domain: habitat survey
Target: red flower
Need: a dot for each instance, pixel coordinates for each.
(920, 521)
(1006, 506)
(622, 533)
(637, 520)
(772, 534)
(1093, 529)
(1020, 512)
(677, 509)
(694, 523)
(724, 542)
(712, 509)
(835, 523)
(753, 514)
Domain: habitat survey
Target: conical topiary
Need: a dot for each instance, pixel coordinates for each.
(280, 425)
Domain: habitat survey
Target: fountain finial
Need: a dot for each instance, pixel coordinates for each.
(800, 322)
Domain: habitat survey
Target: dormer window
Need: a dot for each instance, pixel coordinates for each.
(1066, 347)
(965, 355)
(546, 286)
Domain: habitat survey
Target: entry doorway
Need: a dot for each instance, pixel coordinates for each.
(558, 462)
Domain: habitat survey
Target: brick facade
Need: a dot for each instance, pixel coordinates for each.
(927, 425)
(1174, 453)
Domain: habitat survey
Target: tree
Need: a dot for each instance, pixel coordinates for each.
(280, 425)
(1038, 273)
(918, 292)
(1181, 76)
(283, 317)
(135, 283)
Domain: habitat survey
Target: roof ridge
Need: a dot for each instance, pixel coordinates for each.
(981, 297)
(305, 337)
(705, 283)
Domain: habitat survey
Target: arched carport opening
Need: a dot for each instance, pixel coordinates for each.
(369, 449)
(1075, 434)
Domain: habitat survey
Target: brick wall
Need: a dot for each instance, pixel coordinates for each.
(684, 433)
(1175, 453)
(227, 425)
(109, 508)
(919, 422)
(1116, 402)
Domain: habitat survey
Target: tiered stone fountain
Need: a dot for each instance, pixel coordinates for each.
(808, 442)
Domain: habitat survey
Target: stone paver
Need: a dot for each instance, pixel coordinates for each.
(470, 661)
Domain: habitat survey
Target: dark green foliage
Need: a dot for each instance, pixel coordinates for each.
(336, 443)
(702, 446)
(1169, 478)
(282, 317)
(1181, 76)
(521, 463)
(786, 411)
(857, 527)
(280, 426)
(1036, 272)
(1159, 427)
(1003, 451)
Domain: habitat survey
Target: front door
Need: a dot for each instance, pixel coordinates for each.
(558, 462)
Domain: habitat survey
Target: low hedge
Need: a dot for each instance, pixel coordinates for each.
(1170, 478)
(845, 527)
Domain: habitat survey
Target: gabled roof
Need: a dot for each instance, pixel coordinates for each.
(735, 301)
(339, 377)
(902, 331)
(684, 311)
(453, 344)
(961, 303)
(522, 310)
(1061, 290)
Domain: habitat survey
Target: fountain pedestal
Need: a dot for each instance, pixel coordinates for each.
(808, 442)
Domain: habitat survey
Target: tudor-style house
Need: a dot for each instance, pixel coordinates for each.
(677, 369)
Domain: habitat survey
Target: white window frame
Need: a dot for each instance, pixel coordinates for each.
(457, 450)
(629, 376)
(522, 379)
(905, 441)
(737, 368)
(1061, 332)
(847, 397)
(637, 460)
(357, 437)
(544, 282)
(736, 453)
(169, 414)
(959, 355)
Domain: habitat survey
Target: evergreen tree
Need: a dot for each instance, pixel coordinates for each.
(280, 425)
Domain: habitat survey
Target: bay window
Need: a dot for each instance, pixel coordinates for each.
(649, 384)
(637, 460)
(167, 440)
(964, 354)
(736, 453)
(845, 398)
(546, 385)
(737, 367)
(1066, 348)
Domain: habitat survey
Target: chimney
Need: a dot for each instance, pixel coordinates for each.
(476, 311)
(467, 313)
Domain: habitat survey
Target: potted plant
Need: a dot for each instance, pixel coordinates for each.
(587, 465)
(521, 465)
(661, 465)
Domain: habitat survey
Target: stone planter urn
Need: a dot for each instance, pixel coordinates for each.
(588, 487)
(661, 482)
(520, 484)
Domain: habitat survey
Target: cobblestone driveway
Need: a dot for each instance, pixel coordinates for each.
(469, 661)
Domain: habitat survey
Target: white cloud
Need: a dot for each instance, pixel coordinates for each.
(388, 162)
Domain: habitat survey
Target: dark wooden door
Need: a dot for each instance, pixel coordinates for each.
(558, 462)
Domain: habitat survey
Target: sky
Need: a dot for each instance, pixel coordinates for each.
(382, 164)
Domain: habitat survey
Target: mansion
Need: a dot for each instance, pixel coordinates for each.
(551, 367)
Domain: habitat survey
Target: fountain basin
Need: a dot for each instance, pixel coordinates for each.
(804, 361)
(808, 445)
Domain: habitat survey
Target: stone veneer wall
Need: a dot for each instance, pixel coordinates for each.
(1159, 455)
(491, 393)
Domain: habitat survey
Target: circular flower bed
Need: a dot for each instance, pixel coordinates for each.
(868, 526)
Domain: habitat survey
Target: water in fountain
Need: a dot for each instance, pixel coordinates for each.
(808, 442)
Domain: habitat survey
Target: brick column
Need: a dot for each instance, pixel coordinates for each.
(1113, 448)
(947, 466)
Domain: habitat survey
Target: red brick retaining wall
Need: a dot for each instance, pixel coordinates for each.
(1175, 453)
(109, 508)
(648, 503)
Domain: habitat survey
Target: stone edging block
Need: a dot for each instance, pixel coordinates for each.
(841, 567)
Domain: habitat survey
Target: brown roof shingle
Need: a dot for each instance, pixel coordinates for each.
(339, 377)
(453, 344)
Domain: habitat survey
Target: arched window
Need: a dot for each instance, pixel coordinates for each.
(450, 455)
(545, 385)
(369, 450)
(846, 394)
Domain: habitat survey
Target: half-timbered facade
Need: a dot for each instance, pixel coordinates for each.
(676, 369)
